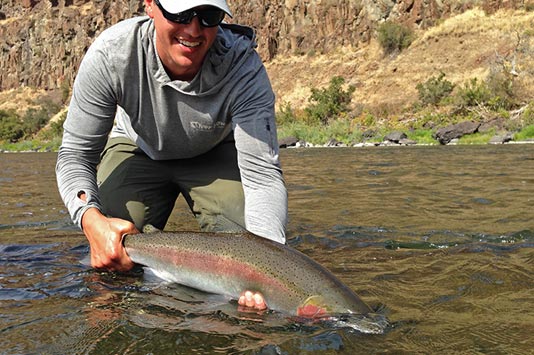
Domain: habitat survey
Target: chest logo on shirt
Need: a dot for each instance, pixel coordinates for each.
(207, 127)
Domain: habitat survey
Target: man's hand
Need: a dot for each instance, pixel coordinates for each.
(252, 300)
(105, 239)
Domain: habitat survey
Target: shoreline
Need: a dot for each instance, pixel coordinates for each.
(389, 143)
(340, 145)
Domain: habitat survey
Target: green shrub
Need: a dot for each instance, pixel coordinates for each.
(11, 128)
(293, 129)
(56, 128)
(477, 138)
(422, 136)
(394, 37)
(503, 90)
(330, 102)
(34, 120)
(526, 133)
(340, 130)
(34, 145)
(285, 115)
(473, 93)
(528, 115)
(434, 90)
(365, 119)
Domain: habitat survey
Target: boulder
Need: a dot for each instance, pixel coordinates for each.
(501, 139)
(497, 124)
(368, 134)
(406, 141)
(332, 142)
(287, 142)
(445, 134)
(395, 137)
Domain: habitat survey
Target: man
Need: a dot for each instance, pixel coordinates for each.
(194, 115)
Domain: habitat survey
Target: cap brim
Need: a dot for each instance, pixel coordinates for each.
(176, 6)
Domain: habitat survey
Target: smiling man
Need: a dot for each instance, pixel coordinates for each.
(176, 102)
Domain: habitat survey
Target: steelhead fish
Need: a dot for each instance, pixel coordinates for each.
(230, 263)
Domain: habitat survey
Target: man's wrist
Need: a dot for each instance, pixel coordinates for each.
(89, 216)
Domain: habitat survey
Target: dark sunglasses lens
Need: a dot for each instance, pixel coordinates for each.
(183, 17)
(210, 18)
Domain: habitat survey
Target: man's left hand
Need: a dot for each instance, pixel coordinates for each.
(252, 300)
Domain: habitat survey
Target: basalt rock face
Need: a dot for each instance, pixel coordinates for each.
(302, 26)
(43, 41)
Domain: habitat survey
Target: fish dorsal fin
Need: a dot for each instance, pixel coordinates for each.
(148, 228)
(313, 307)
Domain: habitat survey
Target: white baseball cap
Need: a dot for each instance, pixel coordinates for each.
(177, 6)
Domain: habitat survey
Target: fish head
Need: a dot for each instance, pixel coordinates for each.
(317, 308)
(371, 323)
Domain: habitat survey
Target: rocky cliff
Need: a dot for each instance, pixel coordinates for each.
(43, 41)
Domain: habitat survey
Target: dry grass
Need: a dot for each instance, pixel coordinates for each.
(463, 47)
(21, 99)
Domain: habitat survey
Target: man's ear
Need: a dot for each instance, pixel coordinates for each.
(149, 8)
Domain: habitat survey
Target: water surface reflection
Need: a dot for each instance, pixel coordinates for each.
(439, 239)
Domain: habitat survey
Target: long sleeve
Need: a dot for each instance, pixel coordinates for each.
(89, 121)
(258, 159)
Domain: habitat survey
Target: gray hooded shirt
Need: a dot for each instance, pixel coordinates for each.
(123, 90)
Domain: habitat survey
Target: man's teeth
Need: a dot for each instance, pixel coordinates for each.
(189, 44)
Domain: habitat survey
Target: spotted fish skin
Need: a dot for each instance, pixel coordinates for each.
(230, 263)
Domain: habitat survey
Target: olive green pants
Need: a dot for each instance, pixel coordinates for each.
(136, 188)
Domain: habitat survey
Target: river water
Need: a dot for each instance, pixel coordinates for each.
(440, 240)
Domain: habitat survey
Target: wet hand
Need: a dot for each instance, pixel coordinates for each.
(249, 300)
(105, 238)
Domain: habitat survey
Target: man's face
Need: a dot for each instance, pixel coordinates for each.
(181, 47)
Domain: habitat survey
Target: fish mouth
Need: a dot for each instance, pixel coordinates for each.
(372, 323)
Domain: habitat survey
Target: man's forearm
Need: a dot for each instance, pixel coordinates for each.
(76, 175)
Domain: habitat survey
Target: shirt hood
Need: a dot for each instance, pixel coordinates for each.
(233, 46)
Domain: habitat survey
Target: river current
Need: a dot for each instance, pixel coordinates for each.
(440, 240)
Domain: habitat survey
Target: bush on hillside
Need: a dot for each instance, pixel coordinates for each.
(498, 92)
(34, 120)
(528, 115)
(473, 93)
(504, 90)
(56, 128)
(394, 37)
(285, 115)
(329, 102)
(11, 129)
(434, 90)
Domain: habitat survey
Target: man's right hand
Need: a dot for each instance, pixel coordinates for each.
(105, 239)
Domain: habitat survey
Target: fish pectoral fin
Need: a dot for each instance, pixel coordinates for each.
(313, 307)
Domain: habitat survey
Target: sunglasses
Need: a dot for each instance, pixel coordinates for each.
(209, 17)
